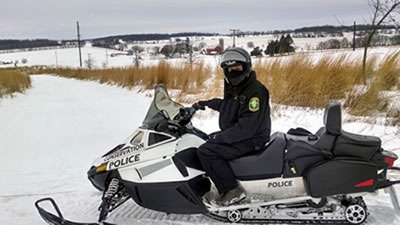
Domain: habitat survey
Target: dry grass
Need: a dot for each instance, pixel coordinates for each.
(370, 100)
(186, 77)
(12, 81)
(301, 81)
(388, 73)
(297, 80)
(365, 101)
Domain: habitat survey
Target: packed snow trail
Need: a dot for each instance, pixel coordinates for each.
(50, 135)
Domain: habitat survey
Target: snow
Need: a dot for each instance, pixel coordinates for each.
(50, 135)
(101, 58)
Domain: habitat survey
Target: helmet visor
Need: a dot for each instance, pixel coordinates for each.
(230, 63)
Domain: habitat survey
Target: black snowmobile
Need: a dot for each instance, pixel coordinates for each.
(299, 177)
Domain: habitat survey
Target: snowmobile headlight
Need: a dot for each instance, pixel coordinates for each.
(101, 168)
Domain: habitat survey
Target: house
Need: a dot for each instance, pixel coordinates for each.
(212, 51)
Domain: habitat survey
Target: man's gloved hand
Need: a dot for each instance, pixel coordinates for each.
(200, 105)
(186, 114)
(214, 138)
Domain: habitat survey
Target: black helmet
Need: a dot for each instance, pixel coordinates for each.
(232, 57)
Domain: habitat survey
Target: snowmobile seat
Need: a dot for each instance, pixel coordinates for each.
(267, 163)
(325, 137)
(304, 151)
(333, 127)
(333, 119)
(354, 145)
(342, 143)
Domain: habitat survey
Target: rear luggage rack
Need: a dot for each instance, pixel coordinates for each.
(395, 200)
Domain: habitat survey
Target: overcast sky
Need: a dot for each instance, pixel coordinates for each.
(56, 19)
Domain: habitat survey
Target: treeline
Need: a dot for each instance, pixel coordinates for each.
(319, 29)
(377, 40)
(114, 42)
(18, 44)
(329, 28)
(155, 36)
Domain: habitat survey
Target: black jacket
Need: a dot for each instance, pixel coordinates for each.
(244, 113)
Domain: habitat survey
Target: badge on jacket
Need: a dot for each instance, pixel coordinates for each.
(254, 104)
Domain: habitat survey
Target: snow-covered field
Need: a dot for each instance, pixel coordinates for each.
(101, 58)
(50, 135)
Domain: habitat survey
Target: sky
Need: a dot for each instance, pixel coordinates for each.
(55, 19)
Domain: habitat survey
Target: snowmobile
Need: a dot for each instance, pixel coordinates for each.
(299, 177)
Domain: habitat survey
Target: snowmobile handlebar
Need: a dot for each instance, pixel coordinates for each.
(181, 119)
(186, 114)
(181, 122)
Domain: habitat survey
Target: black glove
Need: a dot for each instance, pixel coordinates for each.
(214, 138)
(186, 114)
(200, 105)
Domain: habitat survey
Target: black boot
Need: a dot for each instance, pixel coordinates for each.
(230, 197)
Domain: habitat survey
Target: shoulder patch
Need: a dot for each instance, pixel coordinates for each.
(254, 104)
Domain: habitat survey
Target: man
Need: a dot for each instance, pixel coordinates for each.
(244, 121)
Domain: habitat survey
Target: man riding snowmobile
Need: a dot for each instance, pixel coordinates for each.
(244, 120)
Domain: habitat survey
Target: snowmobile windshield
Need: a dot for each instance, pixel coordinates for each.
(161, 103)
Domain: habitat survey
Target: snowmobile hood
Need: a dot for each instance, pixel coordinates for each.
(162, 107)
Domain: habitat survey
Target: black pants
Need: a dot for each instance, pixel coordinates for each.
(214, 159)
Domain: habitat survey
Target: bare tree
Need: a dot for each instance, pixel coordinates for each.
(382, 10)
(89, 63)
(189, 49)
(136, 52)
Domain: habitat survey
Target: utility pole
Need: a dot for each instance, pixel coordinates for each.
(106, 59)
(234, 35)
(79, 44)
(354, 36)
(56, 60)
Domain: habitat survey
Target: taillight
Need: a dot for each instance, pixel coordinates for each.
(389, 161)
(389, 158)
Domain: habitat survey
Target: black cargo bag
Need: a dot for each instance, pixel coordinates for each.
(340, 176)
(299, 156)
(354, 145)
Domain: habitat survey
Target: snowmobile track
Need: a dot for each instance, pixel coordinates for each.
(277, 221)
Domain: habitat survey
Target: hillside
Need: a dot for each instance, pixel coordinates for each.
(325, 30)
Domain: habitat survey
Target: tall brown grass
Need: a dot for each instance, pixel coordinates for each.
(302, 81)
(12, 81)
(298, 80)
(370, 99)
(388, 73)
(186, 77)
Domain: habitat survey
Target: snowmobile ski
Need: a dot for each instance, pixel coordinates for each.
(58, 218)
